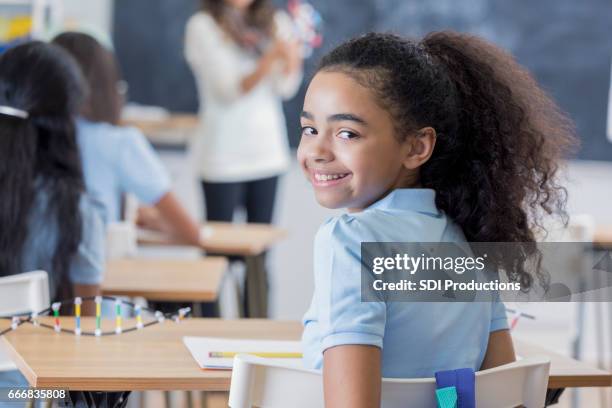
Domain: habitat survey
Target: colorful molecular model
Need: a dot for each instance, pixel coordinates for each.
(307, 22)
(77, 315)
(517, 316)
(55, 308)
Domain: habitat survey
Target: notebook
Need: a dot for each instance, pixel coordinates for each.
(200, 347)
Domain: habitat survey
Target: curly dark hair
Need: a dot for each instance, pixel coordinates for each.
(499, 141)
(39, 153)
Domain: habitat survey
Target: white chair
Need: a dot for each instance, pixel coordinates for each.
(258, 382)
(23, 293)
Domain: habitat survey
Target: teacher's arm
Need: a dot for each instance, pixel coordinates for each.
(352, 376)
(287, 80)
(211, 59)
(264, 66)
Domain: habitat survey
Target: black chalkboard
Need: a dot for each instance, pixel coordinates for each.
(567, 44)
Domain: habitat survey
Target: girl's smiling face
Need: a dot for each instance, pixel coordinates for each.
(349, 150)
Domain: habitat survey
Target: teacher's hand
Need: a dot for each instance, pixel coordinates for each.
(276, 52)
(291, 52)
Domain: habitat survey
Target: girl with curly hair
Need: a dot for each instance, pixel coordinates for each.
(446, 139)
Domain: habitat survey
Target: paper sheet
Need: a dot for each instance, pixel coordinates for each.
(200, 347)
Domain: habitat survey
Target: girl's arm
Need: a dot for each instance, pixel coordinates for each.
(500, 350)
(169, 216)
(352, 376)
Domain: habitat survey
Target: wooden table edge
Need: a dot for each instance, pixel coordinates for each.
(251, 250)
(214, 250)
(159, 384)
(166, 296)
(601, 377)
(222, 250)
(583, 381)
(21, 364)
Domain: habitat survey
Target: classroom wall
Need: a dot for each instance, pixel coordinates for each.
(568, 50)
(590, 189)
(95, 15)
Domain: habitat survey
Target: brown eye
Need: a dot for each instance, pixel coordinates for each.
(308, 131)
(345, 134)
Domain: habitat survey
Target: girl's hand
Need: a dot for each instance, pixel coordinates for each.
(150, 218)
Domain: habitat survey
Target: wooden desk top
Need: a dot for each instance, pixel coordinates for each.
(565, 372)
(226, 238)
(156, 359)
(173, 131)
(175, 121)
(152, 359)
(165, 279)
(603, 237)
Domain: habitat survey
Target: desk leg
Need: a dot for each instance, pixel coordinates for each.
(256, 287)
(552, 396)
(98, 399)
(203, 399)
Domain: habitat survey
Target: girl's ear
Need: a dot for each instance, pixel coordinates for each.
(419, 147)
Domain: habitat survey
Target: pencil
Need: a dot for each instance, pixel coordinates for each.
(231, 354)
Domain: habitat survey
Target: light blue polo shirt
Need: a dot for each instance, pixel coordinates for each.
(118, 160)
(417, 338)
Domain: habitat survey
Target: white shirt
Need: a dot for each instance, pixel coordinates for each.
(241, 136)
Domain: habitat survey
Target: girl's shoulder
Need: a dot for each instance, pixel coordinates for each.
(202, 26)
(91, 207)
(103, 134)
(379, 225)
(44, 221)
(347, 228)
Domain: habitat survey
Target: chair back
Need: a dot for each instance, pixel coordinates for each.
(268, 384)
(23, 293)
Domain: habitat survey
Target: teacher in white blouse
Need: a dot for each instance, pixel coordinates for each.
(245, 62)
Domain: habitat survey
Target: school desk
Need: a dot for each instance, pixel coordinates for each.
(248, 241)
(165, 280)
(155, 358)
(172, 132)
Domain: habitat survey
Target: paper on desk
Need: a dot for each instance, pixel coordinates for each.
(200, 347)
(145, 234)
